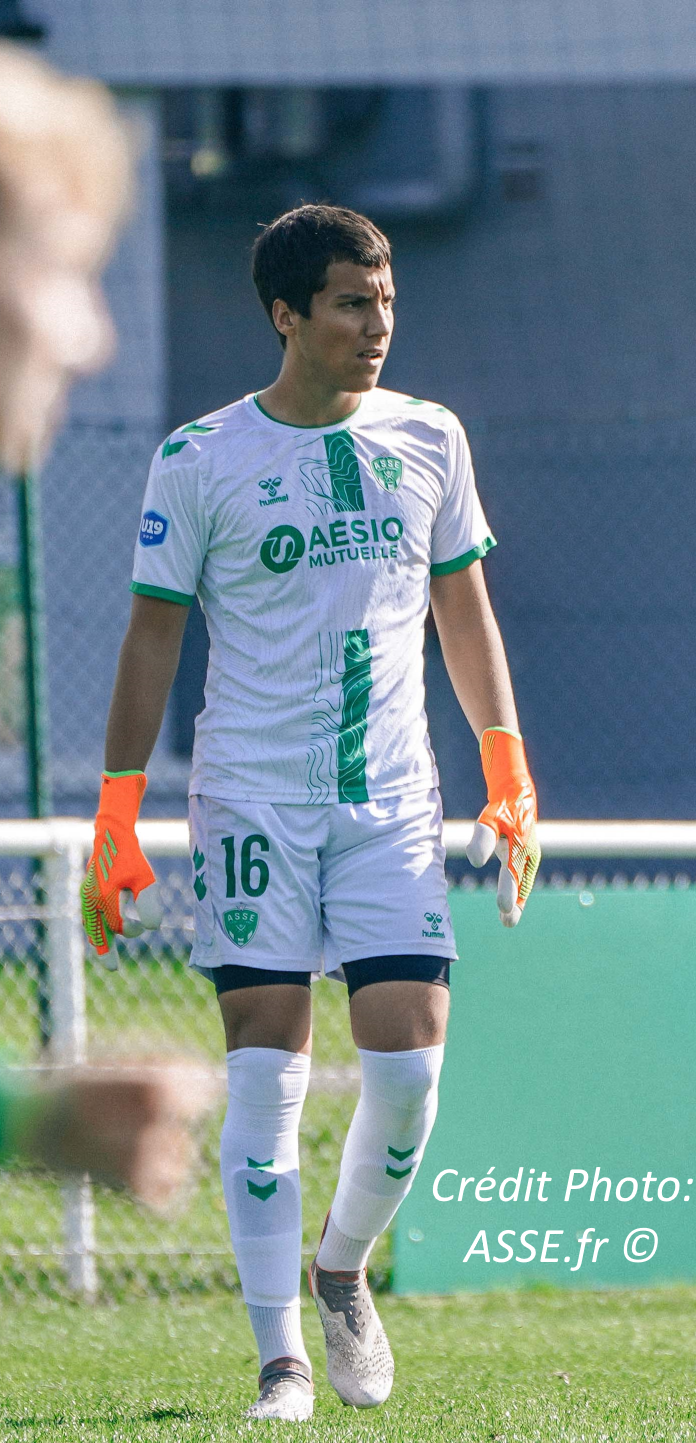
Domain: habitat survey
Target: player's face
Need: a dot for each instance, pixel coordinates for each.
(346, 337)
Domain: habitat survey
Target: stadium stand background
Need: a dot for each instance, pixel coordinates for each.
(549, 299)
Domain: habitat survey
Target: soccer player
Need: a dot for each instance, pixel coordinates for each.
(316, 521)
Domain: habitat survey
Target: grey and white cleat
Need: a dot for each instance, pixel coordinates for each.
(286, 1392)
(359, 1361)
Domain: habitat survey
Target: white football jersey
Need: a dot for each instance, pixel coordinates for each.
(311, 551)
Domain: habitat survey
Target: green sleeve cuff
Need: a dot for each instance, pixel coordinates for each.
(477, 553)
(141, 589)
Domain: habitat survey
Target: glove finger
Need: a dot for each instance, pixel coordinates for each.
(149, 906)
(131, 926)
(507, 881)
(110, 959)
(482, 845)
(106, 949)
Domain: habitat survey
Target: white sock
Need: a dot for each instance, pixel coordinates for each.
(385, 1143)
(259, 1163)
(278, 1333)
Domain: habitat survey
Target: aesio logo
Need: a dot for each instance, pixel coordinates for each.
(283, 548)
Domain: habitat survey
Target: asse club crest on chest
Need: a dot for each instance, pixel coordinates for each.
(387, 471)
(240, 925)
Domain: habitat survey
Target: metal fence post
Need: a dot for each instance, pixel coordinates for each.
(66, 962)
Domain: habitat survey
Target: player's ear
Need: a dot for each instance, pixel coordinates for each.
(284, 318)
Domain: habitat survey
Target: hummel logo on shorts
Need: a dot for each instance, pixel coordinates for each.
(434, 918)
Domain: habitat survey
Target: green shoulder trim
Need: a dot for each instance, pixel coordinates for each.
(140, 589)
(477, 553)
(414, 401)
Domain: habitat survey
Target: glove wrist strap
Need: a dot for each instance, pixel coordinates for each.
(120, 797)
(502, 758)
(506, 731)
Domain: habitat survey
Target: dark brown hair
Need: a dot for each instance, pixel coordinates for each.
(291, 256)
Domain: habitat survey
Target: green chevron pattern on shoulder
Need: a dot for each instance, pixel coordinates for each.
(412, 401)
(195, 428)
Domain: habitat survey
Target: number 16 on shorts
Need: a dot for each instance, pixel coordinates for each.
(229, 873)
(253, 871)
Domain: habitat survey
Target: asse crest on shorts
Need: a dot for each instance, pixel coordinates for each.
(387, 471)
(240, 925)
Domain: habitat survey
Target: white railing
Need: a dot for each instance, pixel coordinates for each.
(64, 843)
(60, 835)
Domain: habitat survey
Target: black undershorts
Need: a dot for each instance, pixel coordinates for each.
(229, 978)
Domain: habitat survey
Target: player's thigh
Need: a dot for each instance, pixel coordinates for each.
(399, 1015)
(383, 886)
(258, 1013)
(257, 916)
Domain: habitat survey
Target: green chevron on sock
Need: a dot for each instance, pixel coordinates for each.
(400, 1155)
(391, 1172)
(251, 1162)
(262, 1192)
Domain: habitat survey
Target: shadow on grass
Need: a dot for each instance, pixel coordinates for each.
(158, 1415)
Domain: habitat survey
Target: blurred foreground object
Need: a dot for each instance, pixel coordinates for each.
(65, 188)
(127, 1125)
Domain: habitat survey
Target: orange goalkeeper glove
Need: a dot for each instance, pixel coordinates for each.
(507, 826)
(117, 869)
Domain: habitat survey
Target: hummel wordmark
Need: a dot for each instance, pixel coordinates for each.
(272, 486)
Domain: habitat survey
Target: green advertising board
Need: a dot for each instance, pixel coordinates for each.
(570, 1059)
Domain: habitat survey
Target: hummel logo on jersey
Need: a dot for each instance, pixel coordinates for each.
(272, 487)
(434, 918)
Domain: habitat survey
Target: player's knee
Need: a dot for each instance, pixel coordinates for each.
(407, 1081)
(263, 1078)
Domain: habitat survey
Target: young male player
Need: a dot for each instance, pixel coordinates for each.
(316, 521)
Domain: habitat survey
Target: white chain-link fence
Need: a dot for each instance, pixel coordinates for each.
(59, 1003)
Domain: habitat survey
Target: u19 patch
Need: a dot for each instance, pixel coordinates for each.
(153, 528)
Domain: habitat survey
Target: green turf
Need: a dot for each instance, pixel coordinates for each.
(586, 1368)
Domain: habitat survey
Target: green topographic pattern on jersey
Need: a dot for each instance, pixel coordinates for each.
(336, 752)
(344, 470)
(357, 683)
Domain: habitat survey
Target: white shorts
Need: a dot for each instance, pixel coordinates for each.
(307, 888)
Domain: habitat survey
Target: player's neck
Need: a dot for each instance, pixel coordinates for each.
(301, 400)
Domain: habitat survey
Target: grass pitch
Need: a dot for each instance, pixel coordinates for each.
(493, 1368)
